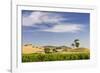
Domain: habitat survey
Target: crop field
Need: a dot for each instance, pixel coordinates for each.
(42, 57)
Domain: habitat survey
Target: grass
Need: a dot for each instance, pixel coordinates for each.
(36, 57)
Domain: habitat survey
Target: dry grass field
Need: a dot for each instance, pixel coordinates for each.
(27, 49)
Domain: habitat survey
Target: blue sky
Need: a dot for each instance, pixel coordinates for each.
(55, 28)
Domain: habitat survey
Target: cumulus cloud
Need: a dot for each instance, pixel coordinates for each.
(49, 22)
(41, 17)
(65, 28)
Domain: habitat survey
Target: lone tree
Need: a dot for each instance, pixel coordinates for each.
(76, 41)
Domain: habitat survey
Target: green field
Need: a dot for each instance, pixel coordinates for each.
(39, 57)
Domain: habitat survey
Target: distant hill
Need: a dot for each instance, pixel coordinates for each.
(57, 47)
(63, 47)
(51, 47)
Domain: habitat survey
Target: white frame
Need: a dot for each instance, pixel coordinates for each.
(17, 66)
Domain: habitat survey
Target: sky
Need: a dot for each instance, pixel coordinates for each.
(55, 28)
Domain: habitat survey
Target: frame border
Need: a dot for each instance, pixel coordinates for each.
(17, 67)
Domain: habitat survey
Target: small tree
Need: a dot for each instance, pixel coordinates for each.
(54, 50)
(47, 50)
(76, 41)
(73, 45)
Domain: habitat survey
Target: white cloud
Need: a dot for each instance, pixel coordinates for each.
(41, 17)
(65, 28)
(56, 21)
(32, 19)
